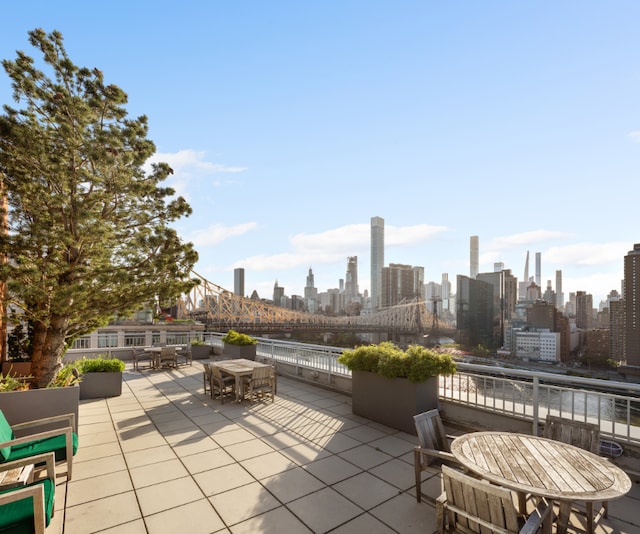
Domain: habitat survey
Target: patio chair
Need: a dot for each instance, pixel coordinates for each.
(63, 441)
(206, 377)
(168, 356)
(580, 434)
(261, 382)
(221, 384)
(186, 354)
(470, 505)
(140, 355)
(434, 446)
(29, 507)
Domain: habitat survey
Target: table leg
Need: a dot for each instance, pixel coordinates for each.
(563, 517)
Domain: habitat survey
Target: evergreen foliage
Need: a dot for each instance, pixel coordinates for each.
(236, 338)
(416, 364)
(89, 229)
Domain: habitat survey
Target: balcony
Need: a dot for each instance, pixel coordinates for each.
(164, 457)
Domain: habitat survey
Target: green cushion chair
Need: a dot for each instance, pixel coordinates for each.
(29, 508)
(62, 441)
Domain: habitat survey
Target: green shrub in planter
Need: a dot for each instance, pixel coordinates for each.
(236, 338)
(416, 364)
(99, 365)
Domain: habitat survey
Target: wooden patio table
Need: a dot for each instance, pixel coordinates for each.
(542, 467)
(239, 368)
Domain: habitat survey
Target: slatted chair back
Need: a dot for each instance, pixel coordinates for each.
(431, 432)
(262, 382)
(220, 383)
(578, 433)
(168, 355)
(475, 506)
(206, 376)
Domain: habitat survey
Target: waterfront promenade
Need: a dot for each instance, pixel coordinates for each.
(164, 457)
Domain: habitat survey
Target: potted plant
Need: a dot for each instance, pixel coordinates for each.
(390, 385)
(199, 349)
(20, 404)
(100, 377)
(238, 345)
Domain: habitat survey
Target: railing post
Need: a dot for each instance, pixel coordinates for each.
(535, 403)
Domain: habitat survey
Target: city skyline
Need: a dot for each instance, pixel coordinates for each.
(289, 126)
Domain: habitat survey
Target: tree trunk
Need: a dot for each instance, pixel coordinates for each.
(48, 349)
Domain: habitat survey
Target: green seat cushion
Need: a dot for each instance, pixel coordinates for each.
(17, 517)
(55, 444)
(6, 434)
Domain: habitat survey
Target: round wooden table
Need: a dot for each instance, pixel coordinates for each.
(542, 467)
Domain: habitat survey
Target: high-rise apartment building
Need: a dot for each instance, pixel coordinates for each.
(539, 269)
(474, 256)
(238, 282)
(377, 260)
(351, 290)
(632, 306)
(559, 293)
(522, 288)
(584, 310)
(310, 294)
(401, 282)
(474, 312)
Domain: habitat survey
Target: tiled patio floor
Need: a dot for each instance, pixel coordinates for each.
(165, 458)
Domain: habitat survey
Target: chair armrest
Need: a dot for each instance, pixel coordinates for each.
(69, 419)
(447, 456)
(68, 431)
(48, 458)
(538, 517)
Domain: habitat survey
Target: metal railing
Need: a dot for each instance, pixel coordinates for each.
(528, 395)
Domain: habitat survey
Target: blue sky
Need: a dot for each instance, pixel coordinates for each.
(290, 124)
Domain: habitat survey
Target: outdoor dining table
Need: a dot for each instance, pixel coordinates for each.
(542, 467)
(239, 368)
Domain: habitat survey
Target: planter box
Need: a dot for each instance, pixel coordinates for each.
(16, 368)
(248, 352)
(392, 401)
(22, 406)
(200, 352)
(100, 385)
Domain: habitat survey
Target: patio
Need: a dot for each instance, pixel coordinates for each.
(164, 457)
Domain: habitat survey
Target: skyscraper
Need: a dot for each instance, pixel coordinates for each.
(559, 293)
(632, 306)
(351, 280)
(522, 288)
(238, 282)
(377, 260)
(474, 256)
(539, 269)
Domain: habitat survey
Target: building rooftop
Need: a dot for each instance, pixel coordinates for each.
(165, 457)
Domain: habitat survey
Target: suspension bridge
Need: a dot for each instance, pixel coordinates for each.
(221, 310)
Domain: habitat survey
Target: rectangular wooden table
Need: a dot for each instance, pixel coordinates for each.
(238, 368)
(542, 467)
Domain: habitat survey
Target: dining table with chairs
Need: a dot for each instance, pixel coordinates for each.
(241, 369)
(544, 468)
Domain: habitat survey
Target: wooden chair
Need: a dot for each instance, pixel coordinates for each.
(221, 384)
(261, 382)
(206, 377)
(469, 506)
(185, 352)
(168, 356)
(139, 356)
(580, 434)
(434, 446)
(62, 441)
(30, 507)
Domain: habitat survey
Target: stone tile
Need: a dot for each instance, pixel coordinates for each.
(133, 527)
(365, 433)
(97, 487)
(365, 456)
(194, 446)
(337, 443)
(154, 455)
(395, 445)
(222, 479)
(93, 452)
(97, 439)
(405, 515)
(332, 469)
(277, 520)
(102, 514)
(142, 442)
(167, 495)
(366, 523)
(377, 491)
(238, 435)
(197, 517)
(248, 449)
(268, 465)
(100, 466)
(313, 510)
(292, 484)
(243, 503)
(396, 472)
(305, 453)
(207, 460)
(154, 473)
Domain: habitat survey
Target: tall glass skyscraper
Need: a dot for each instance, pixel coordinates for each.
(377, 260)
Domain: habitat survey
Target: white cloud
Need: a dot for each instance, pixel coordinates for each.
(217, 233)
(634, 136)
(524, 239)
(588, 253)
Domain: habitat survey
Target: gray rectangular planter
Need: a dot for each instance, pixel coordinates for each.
(27, 405)
(201, 352)
(392, 401)
(247, 352)
(100, 385)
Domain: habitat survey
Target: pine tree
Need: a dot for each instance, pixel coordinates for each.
(89, 231)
